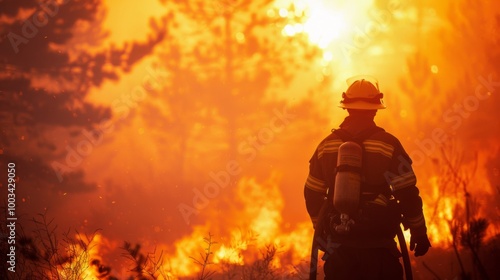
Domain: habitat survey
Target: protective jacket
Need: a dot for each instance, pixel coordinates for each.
(387, 173)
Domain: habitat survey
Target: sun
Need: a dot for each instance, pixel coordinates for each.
(324, 26)
(328, 22)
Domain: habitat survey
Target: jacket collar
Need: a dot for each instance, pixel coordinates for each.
(356, 124)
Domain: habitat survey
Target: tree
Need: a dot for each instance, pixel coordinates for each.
(229, 66)
(50, 57)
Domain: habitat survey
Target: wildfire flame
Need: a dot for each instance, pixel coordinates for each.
(81, 253)
(257, 225)
(450, 204)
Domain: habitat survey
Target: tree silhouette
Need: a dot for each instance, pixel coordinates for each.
(467, 56)
(229, 67)
(476, 87)
(50, 57)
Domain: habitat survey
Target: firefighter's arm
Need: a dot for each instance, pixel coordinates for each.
(413, 218)
(404, 183)
(314, 202)
(314, 189)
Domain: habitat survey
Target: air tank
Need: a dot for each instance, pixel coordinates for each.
(348, 178)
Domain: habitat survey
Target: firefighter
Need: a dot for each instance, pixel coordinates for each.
(382, 193)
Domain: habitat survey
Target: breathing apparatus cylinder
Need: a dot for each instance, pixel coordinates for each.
(347, 182)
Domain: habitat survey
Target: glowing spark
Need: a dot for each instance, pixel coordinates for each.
(434, 69)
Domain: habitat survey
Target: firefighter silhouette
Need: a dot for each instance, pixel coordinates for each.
(360, 188)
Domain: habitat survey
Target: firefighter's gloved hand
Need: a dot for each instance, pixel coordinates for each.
(420, 243)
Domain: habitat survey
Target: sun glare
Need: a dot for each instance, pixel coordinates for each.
(327, 21)
(325, 26)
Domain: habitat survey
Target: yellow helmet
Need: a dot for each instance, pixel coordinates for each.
(362, 94)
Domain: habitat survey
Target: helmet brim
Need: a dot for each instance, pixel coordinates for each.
(360, 105)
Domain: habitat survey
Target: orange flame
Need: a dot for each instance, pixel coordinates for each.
(81, 252)
(263, 225)
(448, 205)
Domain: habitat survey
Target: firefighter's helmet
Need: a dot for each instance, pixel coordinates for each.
(362, 94)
